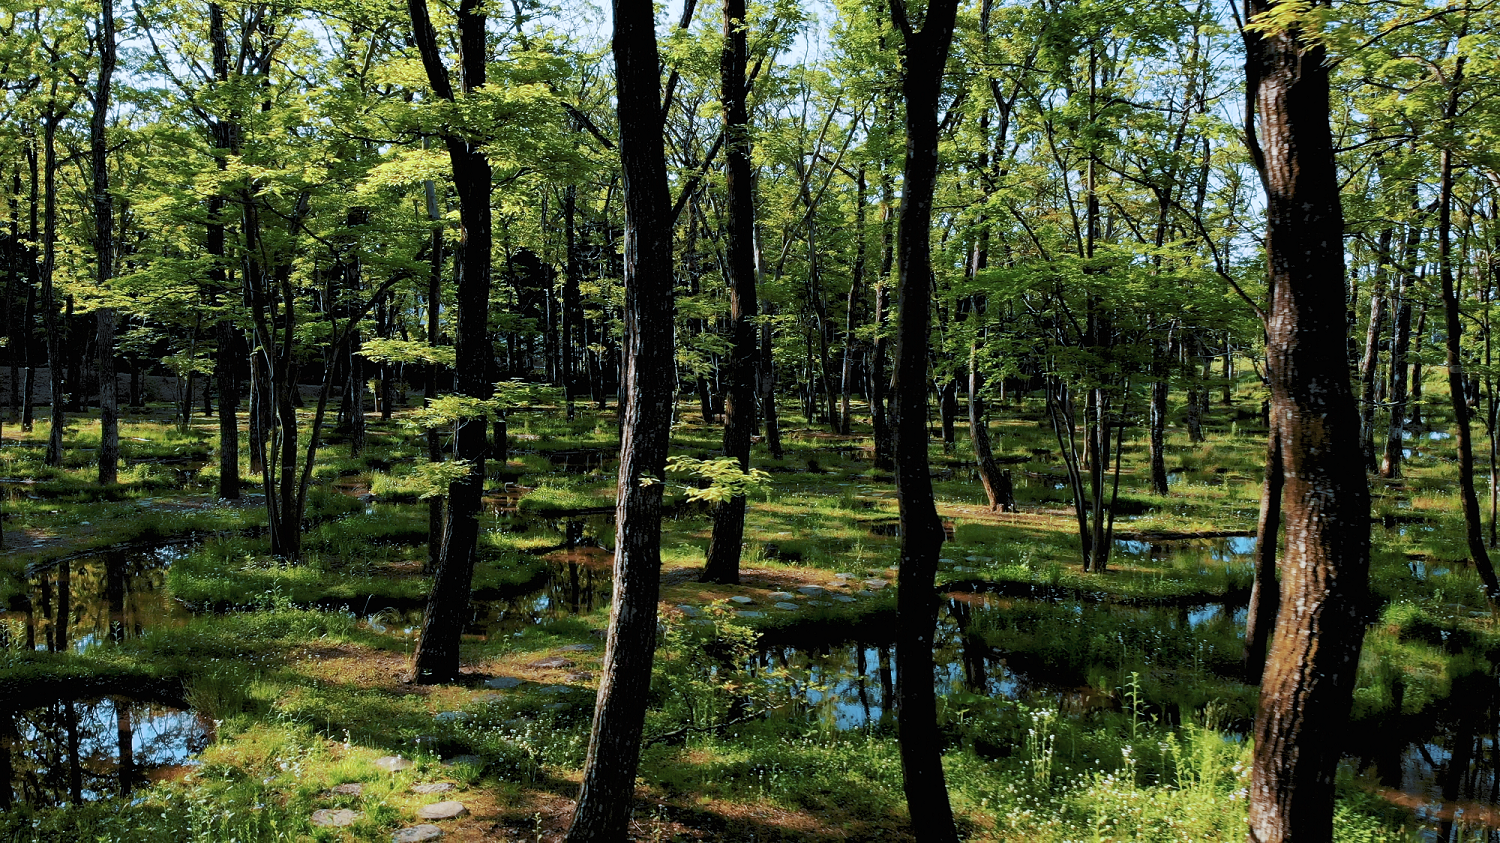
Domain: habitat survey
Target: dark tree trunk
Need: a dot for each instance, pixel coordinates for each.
(1414, 380)
(1158, 424)
(225, 136)
(1453, 331)
(1310, 669)
(1265, 591)
(430, 389)
(924, 54)
(104, 250)
(55, 357)
(884, 446)
(767, 404)
(723, 565)
(437, 655)
(607, 797)
(572, 322)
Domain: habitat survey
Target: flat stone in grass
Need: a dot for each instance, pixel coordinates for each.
(417, 834)
(334, 817)
(781, 595)
(348, 789)
(876, 585)
(432, 787)
(843, 576)
(580, 676)
(503, 683)
(576, 648)
(442, 811)
(550, 663)
(741, 599)
(749, 614)
(810, 590)
(555, 689)
(843, 598)
(451, 716)
(392, 763)
(557, 706)
(689, 611)
(787, 606)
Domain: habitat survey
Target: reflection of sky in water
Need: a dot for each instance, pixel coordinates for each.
(43, 766)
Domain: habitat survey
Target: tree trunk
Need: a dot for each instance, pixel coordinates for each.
(1390, 463)
(1265, 591)
(1370, 359)
(1310, 669)
(437, 654)
(104, 249)
(723, 564)
(607, 797)
(1414, 392)
(1158, 435)
(925, 54)
(1453, 334)
(55, 358)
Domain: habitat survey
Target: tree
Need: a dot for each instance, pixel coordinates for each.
(607, 796)
(436, 657)
(1310, 671)
(109, 400)
(924, 56)
(723, 563)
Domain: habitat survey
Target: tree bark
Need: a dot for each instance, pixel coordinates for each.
(1369, 361)
(607, 797)
(1265, 591)
(104, 249)
(1310, 670)
(924, 55)
(1453, 334)
(723, 564)
(437, 655)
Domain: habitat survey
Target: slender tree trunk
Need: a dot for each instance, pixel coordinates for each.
(723, 565)
(56, 363)
(1158, 435)
(1310, 669)
(434, 305)
(1390, 463)
(1415, 380)
(768, 386)
(924, 56)
(884, 446)
(607, 797)
(1370, 359)
(1453, 331)
(104, 249)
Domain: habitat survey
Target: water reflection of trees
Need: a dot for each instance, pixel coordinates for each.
(71, 751)
(109, 596)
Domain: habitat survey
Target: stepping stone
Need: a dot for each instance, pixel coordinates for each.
(392, 763)
(553, 663)
(749, 614)
(556, 689)
(843, 598)
(349, 789)
(442, 811)
(334, 817)
(781, 595)
(741, 599)
(580, 676)
(876, 584)
(971, 558)
(819, 603)
(946, 561)
(503, 683)
(432, 787)
(471, 760)
(787, 606)
(690, 611)
(810, 590)
(451, 716)
(864, 593)
(417, 834)
(843, 576)
(576, 648)
(557, 706)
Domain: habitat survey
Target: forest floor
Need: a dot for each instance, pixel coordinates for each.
(256, 699)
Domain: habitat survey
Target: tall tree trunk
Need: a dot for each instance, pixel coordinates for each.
(767, 376)
(430, 389)
(437, 655)
(104, 250)
(55, 355)
(723, 564)
(1415, 379)
(884, 447)
(1453, 334)
(1370, 359)
(1310, 670)
(572, 300)
(924, 54)
(607, 797)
